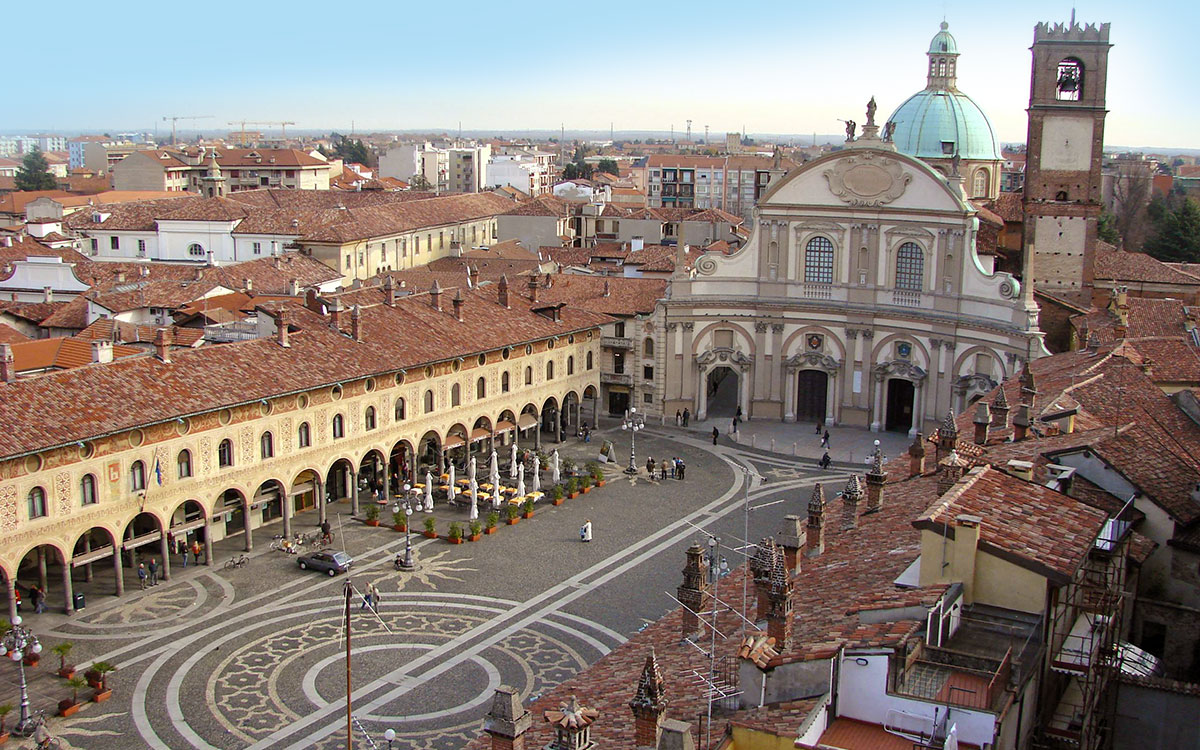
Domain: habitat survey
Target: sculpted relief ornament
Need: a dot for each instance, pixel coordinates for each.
(723, 355)
(813, 360)
(867, 179)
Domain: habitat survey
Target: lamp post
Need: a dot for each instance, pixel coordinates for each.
(633, 422)
(407, 563)
(17, 642)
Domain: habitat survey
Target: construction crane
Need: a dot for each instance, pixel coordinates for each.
(243, 123)
(176, 118)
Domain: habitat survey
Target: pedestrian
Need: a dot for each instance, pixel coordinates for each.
(17, 597)
(682, 468)
(826, 460)
(326, 533)
(368, 597)
(39, 599)
(678, 418)
(142, 576)
(153, 571)
(733, 426)
(378, 600)
(687, 414)
(825, 439)
(196, 551)
(738, 414)
(650, 466)
(183, 551)
(819, 427)
(716, 433)
(585, 531)
(674, 465)
(663, 467)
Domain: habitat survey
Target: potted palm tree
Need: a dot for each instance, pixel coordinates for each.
(372, 515)
(493, 518)
(63, 649)
(399, 521)
(476, 530)
(527, 507)
(431, 527)
(556, 494)
(455, 536)
(585, 483)
(573, 488)
(5, 710)
(68, 707)
(596, 472)
(514, 514)
(103, 691)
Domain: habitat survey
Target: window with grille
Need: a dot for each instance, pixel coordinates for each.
(818, 261)
(267, 445)
(37, 502)
(910, 267)
(184, 462)
(87, 488)
(225, 454)
(137, 476)
(304, 436)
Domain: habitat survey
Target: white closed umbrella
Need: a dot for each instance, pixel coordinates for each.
(473, 467)
(536, 480)
(554, 475)
(428, 492)
(521, 480)
(474, 499)
(512, 460)
(494, 478)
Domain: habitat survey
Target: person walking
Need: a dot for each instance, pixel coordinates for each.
(820, 426)
(682, 468)
(678, 418)
(183, 551)
(826, 460)
(825, 439)
(378, 600)
(738, 414)
(674, 465)
(733, 425)
(39, 599)
(662, 467)
(716, 434)
(687, 415)
(195, 551)
(368, 597)
(153, 571)
(585, 531)
(650, 466)
(142, 575)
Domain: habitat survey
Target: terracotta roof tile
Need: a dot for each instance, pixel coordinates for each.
(1121, 266)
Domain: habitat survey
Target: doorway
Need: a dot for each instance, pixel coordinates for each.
(900, 396)
(722, 391)
(812, 392)
(618, 402)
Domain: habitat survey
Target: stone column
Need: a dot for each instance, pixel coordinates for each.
(688, 368)
(918, 389)
(700, 408)
(286, 507)
(246, 507)
(87, 569)
(41, 564)
(120, 574)
(208, 551)
(831, 399)
(777, 374)
(68, 589)
(353, 479)
(759, 384)
(10, 585)
(164, 546)
(853, 358)
(877, 412)
(789, 394)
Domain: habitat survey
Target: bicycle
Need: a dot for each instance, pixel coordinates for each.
(237, 562)
(47, 741)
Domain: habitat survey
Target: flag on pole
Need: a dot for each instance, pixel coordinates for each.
(158, 472)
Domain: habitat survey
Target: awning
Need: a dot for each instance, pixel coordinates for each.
(525, 421)
(138, 541)
(183, 528)
(300, 489)
(504, 426)
(480, 433)
(97, 554)
(454, 441)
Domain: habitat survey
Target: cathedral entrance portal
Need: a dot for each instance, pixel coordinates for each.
(900, 397)
(721, 391)
(812, 392)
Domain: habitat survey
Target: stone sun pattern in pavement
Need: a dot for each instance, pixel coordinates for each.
(430, 566)
(159, 605)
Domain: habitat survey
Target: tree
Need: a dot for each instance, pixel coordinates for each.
(1176, 235)
(1131, 193)
(418, 182)
(610, 166)
(1107, 229)
(34, 173)
(353, 151)
(578, 171)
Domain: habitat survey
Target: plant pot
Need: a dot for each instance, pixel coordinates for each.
(31, 660)
(587, 490)
(572, 495)
(102, 696)
(474, 537)
(66, 672)
(372, 523)
(557, 501)
(400, 527)
(513, 521)
(454, 539)
(527, 515)
(66, 708)
(3, 737)
(93, 679)
(430, 534)
(490, 530)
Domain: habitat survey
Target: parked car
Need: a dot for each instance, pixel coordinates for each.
(328, 562)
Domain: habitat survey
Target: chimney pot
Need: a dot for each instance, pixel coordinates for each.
(792, 537)
(1000, 410)
(335, 314)
(281, 328)
(676, 735)
(533, 289)
(435, 296)
(102, 351)
(389, 291)
(851, 496)
(693, 592)
(458, 304)
(356, 323)
(983, 420)
(916, 456)
(508, 721)
(120, 277)
(876, 479)
(815, 541)
(163, 338)
(649, 705)
(47, 294)
(1021, 469)
(248, 285)
(1021, 422)
(779, 614)
(8, 369)
(502, 289)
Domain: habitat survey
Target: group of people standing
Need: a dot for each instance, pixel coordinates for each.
(683, 417)
(676, 467)
(148, 575)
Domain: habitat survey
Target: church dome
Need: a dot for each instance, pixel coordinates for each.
(940, 121)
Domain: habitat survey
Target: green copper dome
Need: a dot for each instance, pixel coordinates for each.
(943, 43)
(932, 118)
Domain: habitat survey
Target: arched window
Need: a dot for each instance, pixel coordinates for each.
(196, 250)
(528, 376)
(481, 388)
(504, 382)
(589, 360)
(428, 402)
(818, 261)
(570, 365)
(87, 489)
(1069, 85)
(455, 395)
(550, 370)
(369, 418)
(184, 463)
(910, 267)
(267, 445)
(980, 187)
(137, 476)
(400, 409)
(304, 435)
(648, 347)
(37, 502)
(339, 426)
(225, 453)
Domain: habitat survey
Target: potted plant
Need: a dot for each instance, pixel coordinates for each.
(5, 710)
(431, 527)
(476, 530)
(103, 691)
(585, 483)
(573, 488)
(556, 494)
(569, 466)
(399, 521)
(514, 514)
(68, 707)
(372, 514)
(456, 533)
(63, 649)
(596, 472)
(493, 518)
(527, 507)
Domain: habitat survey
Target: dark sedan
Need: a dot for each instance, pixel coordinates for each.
(329, 562)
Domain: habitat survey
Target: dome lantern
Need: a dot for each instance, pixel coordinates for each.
(943, 61)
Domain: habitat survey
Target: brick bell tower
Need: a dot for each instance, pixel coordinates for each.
(1065, 146)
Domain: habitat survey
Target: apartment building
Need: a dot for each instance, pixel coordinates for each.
(731, 183)
(458, 168)
(242, 169)
(530, 171)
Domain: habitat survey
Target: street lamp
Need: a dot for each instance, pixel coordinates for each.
(633, 422)
(17, 642)
(390, 736)
(407, 563)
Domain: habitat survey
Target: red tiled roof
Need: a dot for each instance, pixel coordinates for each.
(10, 335)
(107, 329)
(59, 353)
(70, 317)
(1127, 267)
(626, 297)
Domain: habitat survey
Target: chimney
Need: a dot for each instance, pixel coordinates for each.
(693, 593)
(1021, 422)
(533, 289)
(607, 288)
(1121, 306)
(760, 570)
(1000, 410)
(851, 497)
(815, 539)
(947, 435)
(275, 260)
(293, 288)
(649, 705)
(197, 274)
(356, 323)
(102, 352)
(1028, 387)
(916, 456)
(335, 314)
(791, 538)
(311, 301)
(458, 303)
(47, 294)
(8, 369)
(473, 276)
(121, 277)
(1021, 469)
(508, 720)
(779, 616)
(572, 723)
(502, 288)
(281, 328)
(163, 338)
(966, 542)
(248, 285)
(952, 468)
(876, 478)
(435, 296)
(676, 735)
(389, 291)
(983, 420)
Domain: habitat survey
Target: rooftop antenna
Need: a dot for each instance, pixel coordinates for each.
(689, 131)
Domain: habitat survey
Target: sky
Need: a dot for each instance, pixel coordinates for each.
(787, 66)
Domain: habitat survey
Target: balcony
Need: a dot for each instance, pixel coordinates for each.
(616, 342)
(817, 291)
(905, 298)
(613, 378)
